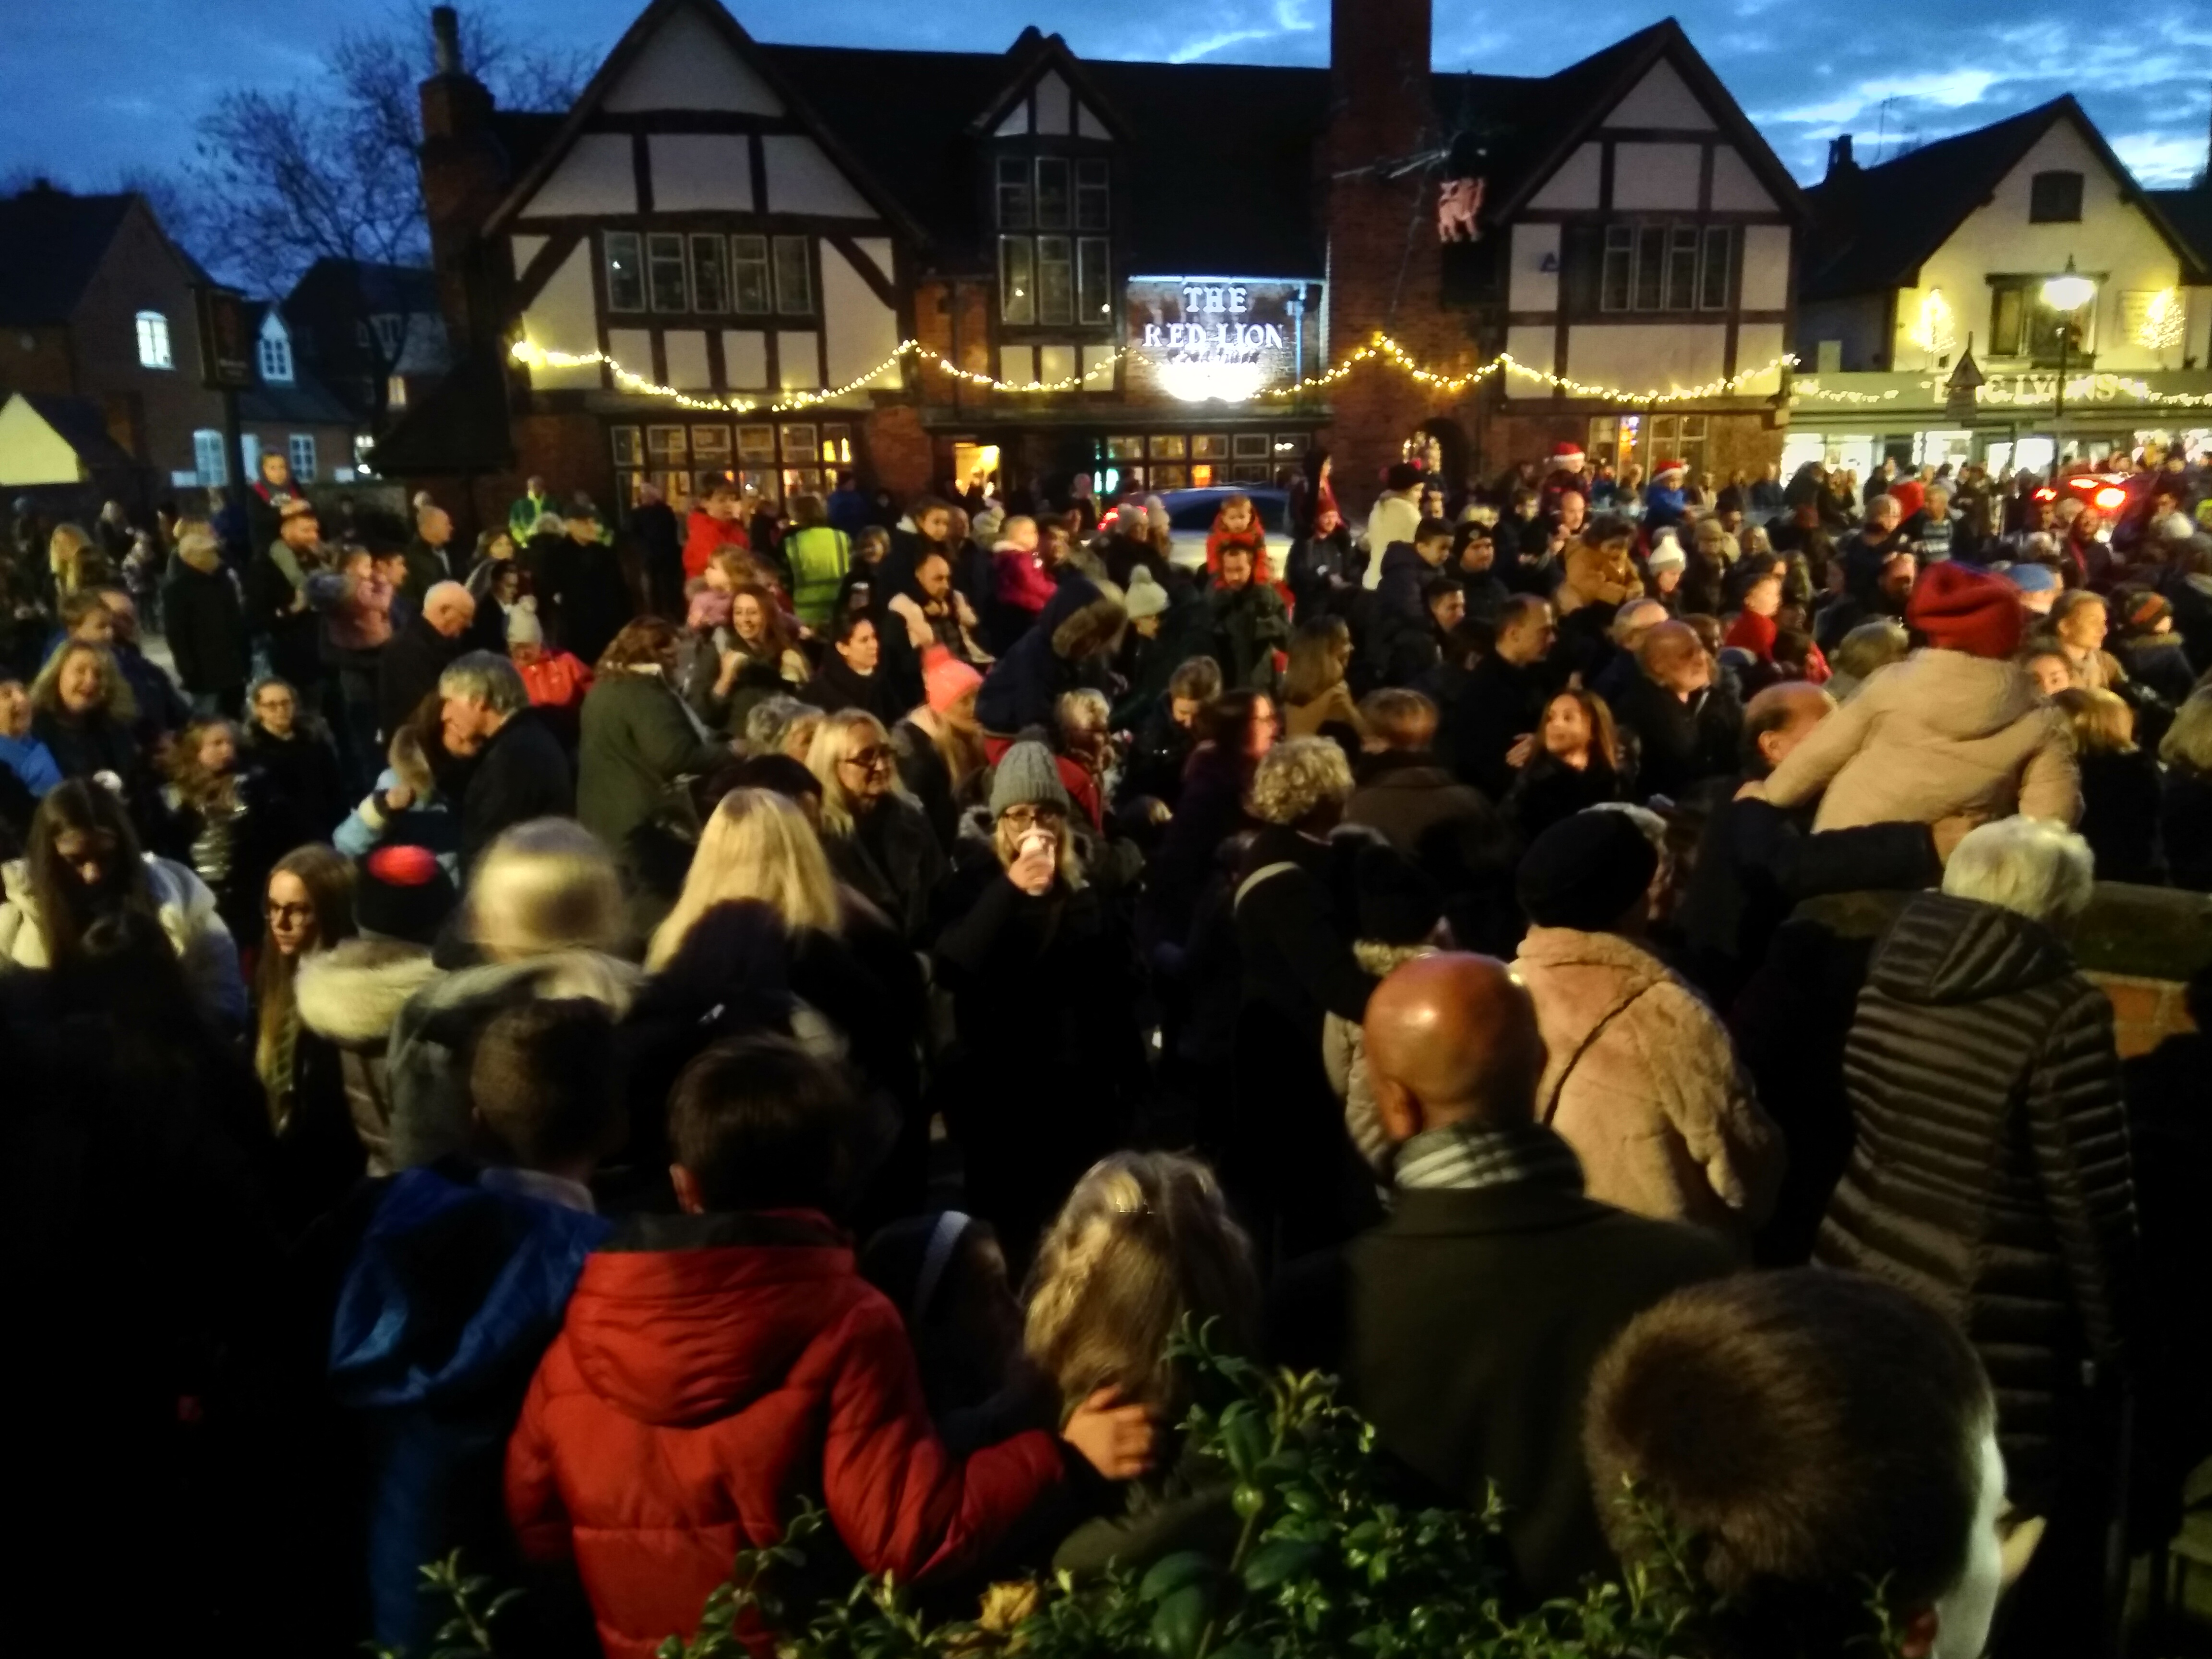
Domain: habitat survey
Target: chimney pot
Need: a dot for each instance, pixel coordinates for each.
(446, 33)
(1839, 154)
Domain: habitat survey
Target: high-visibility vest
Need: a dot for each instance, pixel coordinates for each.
(819, 557)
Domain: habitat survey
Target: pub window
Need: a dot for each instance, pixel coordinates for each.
(2054, 198)
(2022, 325)
(1093, 196)
(628, 446)
(710, 447)
(625, 272)
(1652, 267)
(1052, 193)
(1055, 280)
(794, 277)
(837, 444)
(1679, 438)
(756, 443)
(1014, 213)
(1017, 279)
(665, 446)
(1713, 287)
(1094, 291)
(663, 272)
(710, 285)
(1250, 447)
(1131, 448)
(749, 276)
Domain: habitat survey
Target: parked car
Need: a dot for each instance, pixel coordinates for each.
(1191, 514)
(2108, 492)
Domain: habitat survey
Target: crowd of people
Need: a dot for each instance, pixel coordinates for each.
(560, 1050)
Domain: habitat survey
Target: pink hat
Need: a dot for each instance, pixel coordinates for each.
(945, 680)
(710, 608)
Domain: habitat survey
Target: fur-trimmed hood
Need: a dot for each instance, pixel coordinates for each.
(1083, 618)
(352, 993)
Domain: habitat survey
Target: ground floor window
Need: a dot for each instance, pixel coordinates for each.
(300, 452)
(207, 459)
(1194, 461)
(773, 459)
(1645, 440)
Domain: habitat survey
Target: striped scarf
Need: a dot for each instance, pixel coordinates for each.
(1463, 1159)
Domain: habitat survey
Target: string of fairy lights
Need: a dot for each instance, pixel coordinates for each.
(1382, 348)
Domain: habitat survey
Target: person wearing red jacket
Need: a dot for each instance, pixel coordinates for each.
(715, 523)
(1237, 524)
(716, 1366)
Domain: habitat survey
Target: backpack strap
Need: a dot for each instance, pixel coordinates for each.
(1254, 879)
(1548, 1108)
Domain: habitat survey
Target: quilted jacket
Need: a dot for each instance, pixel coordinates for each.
(1991, 1173)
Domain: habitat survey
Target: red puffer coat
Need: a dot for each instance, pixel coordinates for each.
(710, 1371)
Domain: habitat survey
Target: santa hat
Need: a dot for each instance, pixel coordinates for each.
(1567, 455)
(1957, 608)
(1664, 467)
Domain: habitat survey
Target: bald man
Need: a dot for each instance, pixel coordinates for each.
(1755, 863)
(408, 668)
(1467, 1326)
(430, 561)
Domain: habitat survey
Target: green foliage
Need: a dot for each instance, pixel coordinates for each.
(1329, 1563)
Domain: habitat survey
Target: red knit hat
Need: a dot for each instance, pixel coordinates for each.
(945, 679)
(1957, 608)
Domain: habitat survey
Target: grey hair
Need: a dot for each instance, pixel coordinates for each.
(1082, 710)
(480, 676)
(769, 722)
(2031, 866)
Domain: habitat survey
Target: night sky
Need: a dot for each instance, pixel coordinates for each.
(90, 90)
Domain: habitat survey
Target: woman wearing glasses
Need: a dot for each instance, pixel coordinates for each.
(1041, 998)
(879, 840)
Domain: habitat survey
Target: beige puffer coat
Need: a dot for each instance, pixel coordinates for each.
(1643, 1082)
(1942, 734)
(350, 995)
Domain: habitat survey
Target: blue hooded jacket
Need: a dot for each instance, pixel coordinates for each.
(452, 1298)
(1022, 686)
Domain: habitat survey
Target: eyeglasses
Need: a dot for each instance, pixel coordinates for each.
(867, 760)
(1024, 818)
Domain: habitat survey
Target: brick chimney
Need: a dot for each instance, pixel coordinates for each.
(464, 176)
(1839, 156)
(1385, 265)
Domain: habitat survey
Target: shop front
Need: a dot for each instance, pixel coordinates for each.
(776, 459)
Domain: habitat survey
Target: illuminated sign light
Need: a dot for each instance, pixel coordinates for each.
(1205, 339)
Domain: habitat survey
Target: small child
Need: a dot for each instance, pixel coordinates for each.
(1020, 579)
(947, 1276)
(716, 1363)
(458, 1283)
(1237, 524)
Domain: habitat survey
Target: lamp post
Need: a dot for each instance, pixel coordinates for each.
(2064, 293)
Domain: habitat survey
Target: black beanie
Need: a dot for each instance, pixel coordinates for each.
(1398, 904)
(1585, 871)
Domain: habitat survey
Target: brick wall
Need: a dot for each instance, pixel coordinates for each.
(899, 455)
(2145, 1012)
(36, 360)
(141, 272)
(1744, 441)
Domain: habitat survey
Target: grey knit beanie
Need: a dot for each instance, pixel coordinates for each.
(1027, 776)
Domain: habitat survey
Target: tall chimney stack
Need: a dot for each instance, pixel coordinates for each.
(1839, 154)
(464, 176)
(446, 35)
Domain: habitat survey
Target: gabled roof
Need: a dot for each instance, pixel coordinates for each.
(1545, 120)
(80, 424)
(1876, 227)
(2189, 212)
(401, 290)
(627, 51)
(302, 401)
(1033, 54)
(50, 244)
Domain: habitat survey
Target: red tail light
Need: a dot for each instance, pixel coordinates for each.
(2111, 498)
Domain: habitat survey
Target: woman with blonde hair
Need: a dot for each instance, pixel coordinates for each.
(879, 840)
(75, 559)
(757, 845)
(83, 710)
(1033, 955)
(1314, 694)
(1144, 1243)
(546, 912)
(2120, 788)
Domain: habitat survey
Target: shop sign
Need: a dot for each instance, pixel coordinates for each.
(1197, 339)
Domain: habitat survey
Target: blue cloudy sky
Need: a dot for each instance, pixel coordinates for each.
(90, 89)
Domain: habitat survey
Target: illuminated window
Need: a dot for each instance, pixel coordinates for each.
(395, 391)
(274, 350)
(208, 458)
(300, 452)
(1094, 301)
(154, 341)
(2023, 324)
(1017, 279)
(625, 265)
(1055, 275)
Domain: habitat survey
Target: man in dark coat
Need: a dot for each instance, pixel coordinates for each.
(408, 667)
(206, 625)
(1249, 623)
(428, 560)
(661, 551)
(1686, 725)
(1467, 1326)
(521, 770)
(1395, 607)
(1079, 625)
(276, 599)
(1503, 700)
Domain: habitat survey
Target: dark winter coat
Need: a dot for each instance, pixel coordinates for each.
(1757, 860)
(1500, 703)
(522, 774)
(1051, 659)
(835, 687)
(1547, 789)
(1249, 626)
(1395, 604)
(2185, 821)
(1681, 743)
(709, 1368)
(1992, 1173)
(638, 740)
(2120, 800)
(453, 1297)
(1323, 572)
(304, 769)
(408, 668)
(204, 620)
(1456, 838)
(296, 637)
(427, 566)
(1043, 988)
(891, 859)
(1466, 1327)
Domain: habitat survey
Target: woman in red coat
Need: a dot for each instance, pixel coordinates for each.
(717, 1366)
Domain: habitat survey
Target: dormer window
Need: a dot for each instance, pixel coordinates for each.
(153, 330)
(275, 351)
(2054, 198)
(1051, 273)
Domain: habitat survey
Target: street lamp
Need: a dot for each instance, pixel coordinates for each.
(2064, 293)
